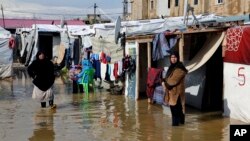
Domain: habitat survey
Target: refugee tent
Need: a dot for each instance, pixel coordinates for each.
(236, 73)
(6, 52)
(51, 38)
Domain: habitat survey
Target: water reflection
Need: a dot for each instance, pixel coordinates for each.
(6, 88)
(43, 121)
(99, 116)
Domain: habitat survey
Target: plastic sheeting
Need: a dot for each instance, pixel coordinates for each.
(6, 54)
(236, 74)
(209, 48)
(109, 48)
(237, 45)
(142, 27)
(236, 91)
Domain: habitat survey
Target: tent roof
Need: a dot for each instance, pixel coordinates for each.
(4, 33)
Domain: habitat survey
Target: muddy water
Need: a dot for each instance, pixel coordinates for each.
(97, 117)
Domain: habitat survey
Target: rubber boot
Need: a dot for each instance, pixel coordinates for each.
(75, 87)
(51, 104)
(175, 121)
(182, 119)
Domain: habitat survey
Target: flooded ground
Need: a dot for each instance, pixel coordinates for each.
(99, 117)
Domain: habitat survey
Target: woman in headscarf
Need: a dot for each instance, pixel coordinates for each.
(175, 89)
(42, 72)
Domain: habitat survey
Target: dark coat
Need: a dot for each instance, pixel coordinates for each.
(42, 72)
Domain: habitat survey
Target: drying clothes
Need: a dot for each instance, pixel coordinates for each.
(108, 58)
(103, 70)
(160, 47)
(111, 72)
(153, 79)
(103, 58)
(97, 67)
(120, 68)
(172, 42)
(107, 74)
(116, 70)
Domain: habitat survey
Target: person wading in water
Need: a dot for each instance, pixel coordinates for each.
(175, 89)
(42, 72)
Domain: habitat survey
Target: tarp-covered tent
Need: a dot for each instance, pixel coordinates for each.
(236, 73)
(6, 52)
(61, 37)
(30, 40)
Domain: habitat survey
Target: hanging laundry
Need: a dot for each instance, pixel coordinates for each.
(160, 47)
(111, 71)
(153, 79)
(103, 70)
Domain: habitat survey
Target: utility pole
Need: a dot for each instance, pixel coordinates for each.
(3, 16)
(95, 13)
(125, 9)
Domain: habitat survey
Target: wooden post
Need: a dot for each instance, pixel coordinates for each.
(149, 54)
(181, 45)
(137, 71)
(149, 60)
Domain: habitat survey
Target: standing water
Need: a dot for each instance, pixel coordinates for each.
(98, 117)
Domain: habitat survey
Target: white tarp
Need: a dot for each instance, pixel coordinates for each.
(236, 91)
(141, 27)
(47, 28)
(83, 30)
(205, 53)
(110, 48)
(32, 38)
(4, 34)
(153, 26)
(5, 54)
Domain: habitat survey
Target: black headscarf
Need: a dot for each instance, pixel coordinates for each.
(41, 52)
(178, 64)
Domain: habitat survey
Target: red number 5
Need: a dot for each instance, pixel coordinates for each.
(241, 75)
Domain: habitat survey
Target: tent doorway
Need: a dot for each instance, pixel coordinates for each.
(212, 98)
(46, 44)
(204, 82)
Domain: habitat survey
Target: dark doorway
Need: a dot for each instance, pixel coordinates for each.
(212, 99)
(143, 65)
(46, 44)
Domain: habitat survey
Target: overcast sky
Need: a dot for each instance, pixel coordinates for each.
(55, 8)
(104, 4)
